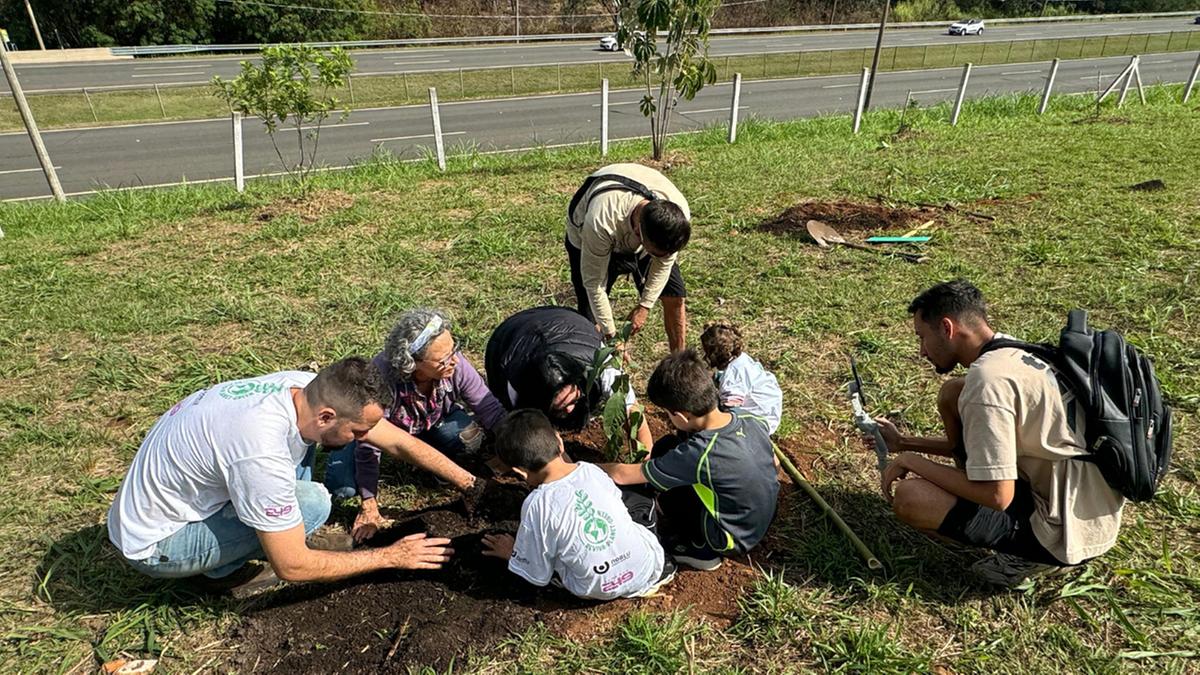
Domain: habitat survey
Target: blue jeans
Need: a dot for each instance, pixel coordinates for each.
(339, 465)
(221, 544)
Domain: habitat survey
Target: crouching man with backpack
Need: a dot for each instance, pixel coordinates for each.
(1025, 484)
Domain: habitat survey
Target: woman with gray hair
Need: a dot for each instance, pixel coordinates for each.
(432, 382)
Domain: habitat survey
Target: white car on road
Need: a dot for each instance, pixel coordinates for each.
(608, 43)
(967, 27)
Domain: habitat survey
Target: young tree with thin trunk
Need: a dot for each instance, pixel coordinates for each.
(678, 65)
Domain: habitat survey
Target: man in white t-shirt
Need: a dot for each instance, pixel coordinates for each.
(1016, 434)
(577, 527)
(224, 478)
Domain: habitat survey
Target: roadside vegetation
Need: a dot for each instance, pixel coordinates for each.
(120, 106)
(116, 306)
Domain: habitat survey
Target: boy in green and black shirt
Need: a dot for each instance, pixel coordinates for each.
(717, 474)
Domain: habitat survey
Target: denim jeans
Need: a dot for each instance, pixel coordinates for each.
(221, 544)
(339, 465)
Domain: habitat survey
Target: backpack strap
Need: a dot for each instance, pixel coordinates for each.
(622, 183)
(1044, 351)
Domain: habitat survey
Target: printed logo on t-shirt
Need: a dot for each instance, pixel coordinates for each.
(610, 586)
(239, 390)
(279, 511)
(607, 564)
(598, 533)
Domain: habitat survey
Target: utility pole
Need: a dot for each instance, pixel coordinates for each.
(887, 6)
(518, 6)
(36, 30)
(35, 137)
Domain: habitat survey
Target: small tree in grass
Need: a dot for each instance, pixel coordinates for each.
(620, 424)
(291, 86)
(679, 66)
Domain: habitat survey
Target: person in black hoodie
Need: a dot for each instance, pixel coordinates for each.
(539, 358)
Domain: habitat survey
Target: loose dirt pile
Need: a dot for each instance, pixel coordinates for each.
(398, 621)
(849, 216)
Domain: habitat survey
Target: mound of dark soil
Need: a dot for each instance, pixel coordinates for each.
(400, 621)
(847, 216)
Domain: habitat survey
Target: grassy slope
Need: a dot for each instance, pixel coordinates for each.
(115, 307)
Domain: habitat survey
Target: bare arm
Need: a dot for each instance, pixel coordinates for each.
(938, 446)
(994, 494)
(292, 560)
(643, 435)
(408, 448)
(624, 474)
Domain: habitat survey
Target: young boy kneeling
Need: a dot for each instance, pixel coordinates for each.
(575, 528)
(717, 474)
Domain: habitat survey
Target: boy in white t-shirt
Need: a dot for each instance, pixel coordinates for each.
(742, 382)
(577, 528)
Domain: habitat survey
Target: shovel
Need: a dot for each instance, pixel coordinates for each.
(825, 236)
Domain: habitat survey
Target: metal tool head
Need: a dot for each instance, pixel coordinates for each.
(856, 386)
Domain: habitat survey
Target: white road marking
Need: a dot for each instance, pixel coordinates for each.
(8, 171)
(1021, 72)
(414, 63)
(597, 105)
(162, 74)
(934, 91)
(839, 86)
(707, 110)
(178, 67)
(415, 136)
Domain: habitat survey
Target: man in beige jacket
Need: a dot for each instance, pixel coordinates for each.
(629, 219)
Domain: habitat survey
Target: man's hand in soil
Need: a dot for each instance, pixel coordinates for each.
(637, 319)
(498, 545)
(419, 552)
(367, 522)
(473, 495)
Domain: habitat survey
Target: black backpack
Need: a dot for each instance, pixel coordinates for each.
(1127, 426)
(621, 183)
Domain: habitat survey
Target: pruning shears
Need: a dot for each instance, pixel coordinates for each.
(862, 420)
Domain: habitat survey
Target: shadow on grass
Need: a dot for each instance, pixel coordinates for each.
(811, 549)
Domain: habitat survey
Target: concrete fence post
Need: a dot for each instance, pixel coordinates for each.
(560, 77)
(437, 129)
(604, 117)
(350, 86)
(1049, 87)
(1191, 82)
(862, 98)
(162, 108)
(733, 106)
(239, 169)
(87, 97)
(1128, 80)
(406, 96)
(462, 84)
(925, 56)
(512, 73)
(962, 92)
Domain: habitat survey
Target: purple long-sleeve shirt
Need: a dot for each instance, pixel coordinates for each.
(416, 413)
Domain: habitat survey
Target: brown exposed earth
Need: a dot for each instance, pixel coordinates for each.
(848, 216)
(399, 621)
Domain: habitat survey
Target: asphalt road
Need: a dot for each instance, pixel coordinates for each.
(171, 152)
(197, 70)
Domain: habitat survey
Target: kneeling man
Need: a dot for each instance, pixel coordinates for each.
(1022, 486)
(224, 477)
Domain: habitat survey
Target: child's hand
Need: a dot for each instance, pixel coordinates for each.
(498, 545)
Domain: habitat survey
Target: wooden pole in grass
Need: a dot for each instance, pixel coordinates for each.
(862, 97)
(1127, 81)
(962, 92)
(437, 129)
(791, 470)
(31, 127)
(1049, 87)
(1187, 88)
(604, 117)
(239, 169)
(733, 106)
(1119, 79)
(87, 97)
(887, 6)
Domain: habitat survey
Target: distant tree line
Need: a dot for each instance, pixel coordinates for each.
(87, 23)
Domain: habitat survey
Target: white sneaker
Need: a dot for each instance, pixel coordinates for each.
(1009, 571)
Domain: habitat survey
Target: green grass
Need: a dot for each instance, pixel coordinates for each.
(139, 105)
(116, 306)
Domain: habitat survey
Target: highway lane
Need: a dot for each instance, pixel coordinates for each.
(151, 154)
(199, 70)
